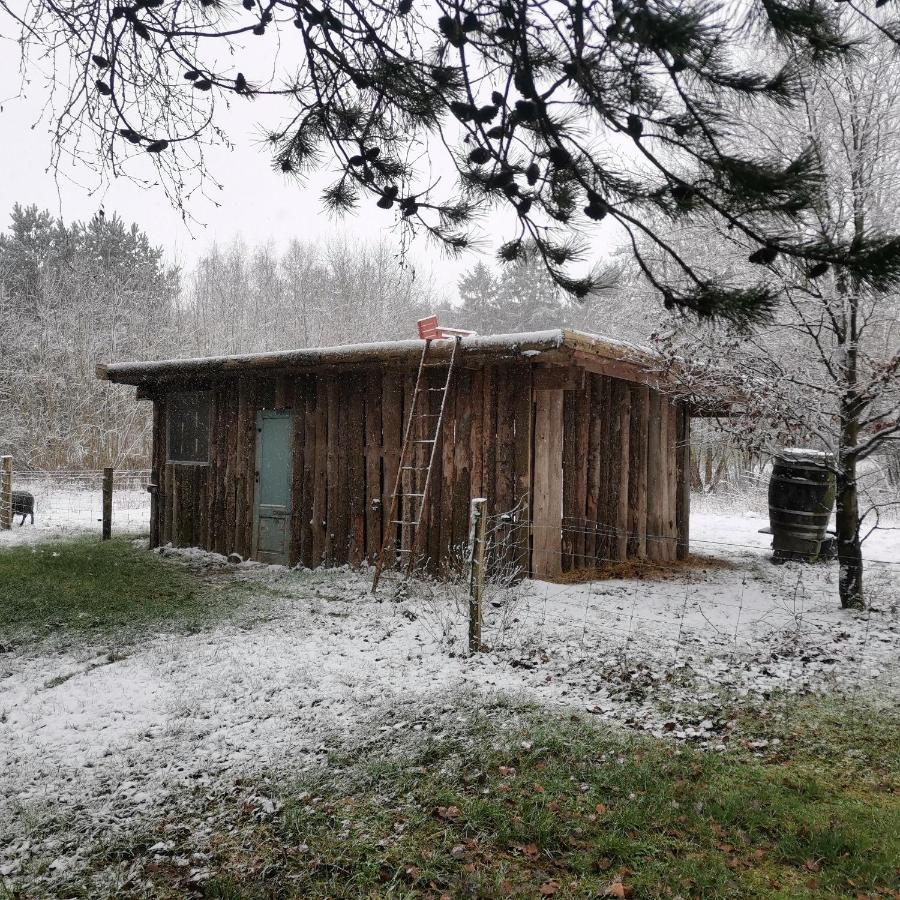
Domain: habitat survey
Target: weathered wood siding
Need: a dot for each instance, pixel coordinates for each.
(605, 461)
(622, 481)
(348, 433)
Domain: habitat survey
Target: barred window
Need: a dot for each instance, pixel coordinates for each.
(188, 426)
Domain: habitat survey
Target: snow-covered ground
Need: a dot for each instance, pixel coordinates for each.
(92, 742)
(67, 503)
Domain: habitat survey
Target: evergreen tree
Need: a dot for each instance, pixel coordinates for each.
(480, 309)
(562, 113)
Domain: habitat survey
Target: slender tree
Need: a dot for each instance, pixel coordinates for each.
(561, 112)
(826, 371)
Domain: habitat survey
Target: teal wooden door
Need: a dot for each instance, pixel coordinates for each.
(272, 519)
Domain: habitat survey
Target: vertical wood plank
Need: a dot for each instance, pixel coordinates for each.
(282, 392)
(249, 463)
(569, 465)
(298, 470)
(547, 502)
(623, 406)
(637, 465)
(408, 507)
(521, 380)
(477, 434)
(356, 470)
(655, 479)
(671, 479)
(306, 511)
(462, 456)
(319, 525)
(158, 504)
(432, 547)
(392, 429)
(594, 464)
(373, 450)
(683, 481)
(448, 474)
(580, 476)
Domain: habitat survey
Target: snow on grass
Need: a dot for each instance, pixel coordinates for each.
(91, 741)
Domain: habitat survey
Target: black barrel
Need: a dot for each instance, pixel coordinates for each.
(801, 497)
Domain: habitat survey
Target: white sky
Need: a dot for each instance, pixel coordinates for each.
(255, 203)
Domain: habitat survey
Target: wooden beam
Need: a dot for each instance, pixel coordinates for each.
(557, 378)
(547, 508)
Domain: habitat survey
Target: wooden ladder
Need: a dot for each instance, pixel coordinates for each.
(418, 500)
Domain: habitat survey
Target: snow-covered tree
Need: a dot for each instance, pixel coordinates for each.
(826, 371)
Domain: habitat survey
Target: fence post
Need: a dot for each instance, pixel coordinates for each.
(153, 488)
(107, 503)
(6, 513)
(477, 530)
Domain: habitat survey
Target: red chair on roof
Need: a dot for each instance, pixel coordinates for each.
(429, 330)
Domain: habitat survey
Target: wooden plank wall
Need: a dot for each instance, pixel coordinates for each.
(622, 480)
(348, 433)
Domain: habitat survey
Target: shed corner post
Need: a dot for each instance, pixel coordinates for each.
(683, 489)
(153, 489)
(6, 510)
(107, 503)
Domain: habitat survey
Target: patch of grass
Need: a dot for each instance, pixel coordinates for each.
(557, 807)
(88, 585)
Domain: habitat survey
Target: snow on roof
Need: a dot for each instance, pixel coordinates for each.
(556, 345)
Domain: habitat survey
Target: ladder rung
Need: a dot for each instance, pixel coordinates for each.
(401, 522)
(425, 441)
(411, 494)
(414, 468)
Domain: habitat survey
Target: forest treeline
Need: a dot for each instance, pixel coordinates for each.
(72, 295)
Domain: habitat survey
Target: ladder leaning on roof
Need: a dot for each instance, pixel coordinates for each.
(418, 500)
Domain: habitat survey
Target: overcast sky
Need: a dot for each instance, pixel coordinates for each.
(255, 202)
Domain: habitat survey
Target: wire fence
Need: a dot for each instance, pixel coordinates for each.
(72, 500)
(724, 620)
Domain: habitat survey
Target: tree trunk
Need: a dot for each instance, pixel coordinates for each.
(849, 545)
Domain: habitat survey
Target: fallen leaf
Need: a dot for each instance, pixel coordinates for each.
(458, 852)
(601, 809)
(549, 888)
(811, 865)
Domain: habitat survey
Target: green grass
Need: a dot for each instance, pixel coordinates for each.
(87, 586)
(559, 806)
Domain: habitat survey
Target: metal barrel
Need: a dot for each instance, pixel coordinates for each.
(801, 497)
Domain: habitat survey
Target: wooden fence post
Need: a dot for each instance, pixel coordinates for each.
(477, 531)
(107, 503)
(153, 488)
(6, 513)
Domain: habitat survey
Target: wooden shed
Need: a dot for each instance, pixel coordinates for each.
(292, 457)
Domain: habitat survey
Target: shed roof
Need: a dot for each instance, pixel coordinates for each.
(559, 346)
